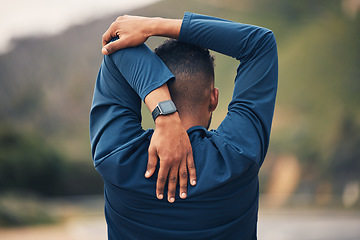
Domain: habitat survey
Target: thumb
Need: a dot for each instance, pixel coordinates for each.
(152, 162)
(113, 47)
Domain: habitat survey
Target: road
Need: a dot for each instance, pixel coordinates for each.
(308, 225)
(273, 225)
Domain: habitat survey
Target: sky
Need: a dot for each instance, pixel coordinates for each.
(22, 18)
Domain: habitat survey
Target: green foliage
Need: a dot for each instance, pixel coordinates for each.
(318, 85)
(80, 178)
(344, 164)
(29, 164)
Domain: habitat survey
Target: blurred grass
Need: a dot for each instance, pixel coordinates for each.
(22, 210)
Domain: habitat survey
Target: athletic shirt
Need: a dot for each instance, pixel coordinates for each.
(224, 202)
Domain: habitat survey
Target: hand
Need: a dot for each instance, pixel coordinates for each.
(171, 144)
(131, 30)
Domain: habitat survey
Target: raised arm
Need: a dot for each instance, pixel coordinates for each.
(134, 30)
(124, 79)
(169, 142)
(252, 106)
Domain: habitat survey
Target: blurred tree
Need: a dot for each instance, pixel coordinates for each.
(29, 164)
(344, 164)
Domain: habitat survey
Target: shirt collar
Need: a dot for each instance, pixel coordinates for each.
(196, 132)
(194, 128)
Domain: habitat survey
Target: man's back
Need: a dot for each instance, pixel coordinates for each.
(222, 205)
(224, 202)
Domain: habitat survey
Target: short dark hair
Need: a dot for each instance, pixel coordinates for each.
(193, 67)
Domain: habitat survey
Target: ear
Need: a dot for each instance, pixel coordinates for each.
(214, 99)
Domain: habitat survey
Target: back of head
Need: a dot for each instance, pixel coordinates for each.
(193, 68)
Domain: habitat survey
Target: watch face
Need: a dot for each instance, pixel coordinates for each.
(167, 107)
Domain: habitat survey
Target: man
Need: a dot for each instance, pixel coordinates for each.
(224, 202)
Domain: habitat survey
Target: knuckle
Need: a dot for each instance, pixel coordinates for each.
(191, 165)
(151, 165)
(113, 25)
(183, 187)
(162, 179)
(180, 155)
(183, 174)
(165, 161)
(110, 48)
(176, 159)
(160, 190)
(173, 179)
(151, 149)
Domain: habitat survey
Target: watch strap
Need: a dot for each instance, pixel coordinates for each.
(156, 112)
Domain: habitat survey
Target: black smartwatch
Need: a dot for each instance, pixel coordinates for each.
(164, 108)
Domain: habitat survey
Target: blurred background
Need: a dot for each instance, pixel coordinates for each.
(50, 53)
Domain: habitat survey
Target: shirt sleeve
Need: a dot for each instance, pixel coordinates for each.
(124, 79)
(248, 122)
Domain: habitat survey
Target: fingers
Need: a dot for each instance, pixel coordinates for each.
(106, 37)
(170, 174)
(113, 46)
(109, 47)
(152, 162)
(106, 44)
(191, 168)
(183, 179)
(104, 51)
(172, 184)
(161, 180)
(111, 32)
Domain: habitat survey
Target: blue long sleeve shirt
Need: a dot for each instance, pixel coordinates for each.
(224, 203)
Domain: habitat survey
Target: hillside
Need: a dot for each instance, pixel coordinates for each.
(47, 83)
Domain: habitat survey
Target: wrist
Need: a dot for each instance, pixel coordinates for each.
(169, 119)
(165, 27)
(163, 108)
(152, 26)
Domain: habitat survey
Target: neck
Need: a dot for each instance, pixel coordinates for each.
(191, 121)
